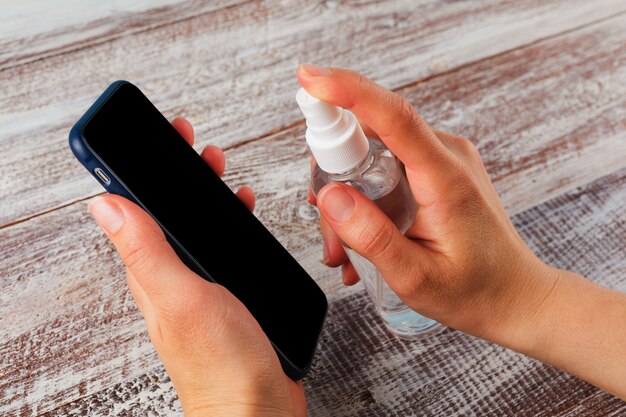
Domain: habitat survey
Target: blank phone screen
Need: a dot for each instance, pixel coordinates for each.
(191, 203)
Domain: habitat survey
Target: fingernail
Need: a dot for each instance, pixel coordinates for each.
(326, 258)
(107, 214)
(315, 71)
(337, 203)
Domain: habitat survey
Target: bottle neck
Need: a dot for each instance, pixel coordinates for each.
(341, 147)
(356, 171)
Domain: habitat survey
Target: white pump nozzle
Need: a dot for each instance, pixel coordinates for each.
(333, 134)
(317, 113)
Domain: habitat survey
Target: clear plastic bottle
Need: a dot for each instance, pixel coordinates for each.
(345, 155)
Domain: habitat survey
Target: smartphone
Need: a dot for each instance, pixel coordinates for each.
(134, 151)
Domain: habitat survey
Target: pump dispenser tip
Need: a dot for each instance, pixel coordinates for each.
(317, 112)
(333, 134)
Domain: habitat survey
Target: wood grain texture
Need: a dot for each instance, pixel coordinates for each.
(151, 394)
(54, 315)
(32, 29)
(547, 117)
(599, 404)
(231, 73)
(361, 370)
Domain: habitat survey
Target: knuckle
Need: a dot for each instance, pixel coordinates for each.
(460, 186)
(460, 174)
(406, 112)
(469, 149)
(137, 252)
(467, 191)
(377, 242)
(361, 80)
(138, 258)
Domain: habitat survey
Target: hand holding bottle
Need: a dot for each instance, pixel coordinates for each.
(461, 262)
(343, 154)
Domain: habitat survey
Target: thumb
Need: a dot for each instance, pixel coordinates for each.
(143, 249)
(362, 226)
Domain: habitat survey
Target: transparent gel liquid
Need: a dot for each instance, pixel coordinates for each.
(382, 179)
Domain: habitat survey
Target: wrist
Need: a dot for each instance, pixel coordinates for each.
(525, 329)
(513, 313)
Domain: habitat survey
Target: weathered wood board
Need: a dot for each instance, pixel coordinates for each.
(33, 29)
(546, 118)
(231, 72)
(361, 370)
(539, 86)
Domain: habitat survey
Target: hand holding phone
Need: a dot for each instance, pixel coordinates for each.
(173, 256)
(217, 356)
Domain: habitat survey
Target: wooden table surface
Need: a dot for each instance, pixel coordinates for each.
(539, 86)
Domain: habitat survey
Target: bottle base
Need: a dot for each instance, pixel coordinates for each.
(411, 325)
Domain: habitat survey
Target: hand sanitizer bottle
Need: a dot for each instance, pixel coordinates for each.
(345, 155)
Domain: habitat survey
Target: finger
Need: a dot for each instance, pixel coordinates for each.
(334, 254)
(215, 158)
(184, 128)
(394, 119)
(466, 152)
(349, 274)
(144, 250)
(456, 144)
(367, 230)
(247, 197)
(369, 132)
(310, 197)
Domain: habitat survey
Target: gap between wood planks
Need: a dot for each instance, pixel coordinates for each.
(301, 122)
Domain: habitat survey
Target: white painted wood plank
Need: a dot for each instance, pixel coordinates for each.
(231, 73)
(48, 355)
(34, 29)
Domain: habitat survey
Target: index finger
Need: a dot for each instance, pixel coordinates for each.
(395, 120)
(185, 129)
